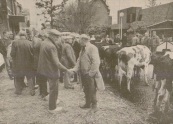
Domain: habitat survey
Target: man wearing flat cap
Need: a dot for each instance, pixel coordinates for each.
(22, 57)
(68, 59)
(88, 68)
(49, 66)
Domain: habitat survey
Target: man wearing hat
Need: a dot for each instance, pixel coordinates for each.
(88, 68)
(155, 41)
(41, 80)
(49, 66)
(135, 40)
(22, 56)
(68, 59)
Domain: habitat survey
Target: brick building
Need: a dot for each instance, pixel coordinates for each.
(158, 18)
(10, 16)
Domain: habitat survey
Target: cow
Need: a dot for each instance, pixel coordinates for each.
(163, 73)
(131, 57)
(109, 60)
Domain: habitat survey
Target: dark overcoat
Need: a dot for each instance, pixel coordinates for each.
(22, 56)
(68, 58)
(48, 63)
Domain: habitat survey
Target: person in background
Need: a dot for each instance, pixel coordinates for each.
(22, 56)
(49, 66)
(117, 39)
(41, 80)
(88, 68)
(124, 40)
(93, 40)
(107, 39)
(3, 50)
(68, 59)
(146, 40)
(155, 41)
(6, 40)
(76, 47)
(135, 40)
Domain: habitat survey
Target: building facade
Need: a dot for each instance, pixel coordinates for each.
(10, 16)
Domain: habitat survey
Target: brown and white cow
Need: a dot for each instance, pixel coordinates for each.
(163, 71)
(131, 57)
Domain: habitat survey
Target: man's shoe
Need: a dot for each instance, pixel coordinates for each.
(32, 93)
(94, 108)
(58, 109)
(46, 98)
(36, 87)
(69, 87)
(58, 101)
(85, 106)
(17, 93)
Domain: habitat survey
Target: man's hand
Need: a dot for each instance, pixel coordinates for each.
(70, 72)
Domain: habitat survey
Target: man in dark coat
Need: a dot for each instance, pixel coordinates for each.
(6, 41)
(41, 80)
(76, 47)
(124, 40)
(22, 56)
(49, 66)
(146, 40)
(155, 41)
(68, 59)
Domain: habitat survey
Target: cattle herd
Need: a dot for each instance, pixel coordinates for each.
(127, 62)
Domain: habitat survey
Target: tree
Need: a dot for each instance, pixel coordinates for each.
(152, 3)
(49, 9)
(77, 17)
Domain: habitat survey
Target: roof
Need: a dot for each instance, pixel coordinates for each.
(116, 26)
(157, 14)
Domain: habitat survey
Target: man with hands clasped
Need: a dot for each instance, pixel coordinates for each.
(89, 75)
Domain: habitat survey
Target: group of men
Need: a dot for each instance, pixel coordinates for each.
(138, 39)
(44, 56)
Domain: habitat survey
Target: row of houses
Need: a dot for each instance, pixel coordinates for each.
(158, 18)
(12, 16)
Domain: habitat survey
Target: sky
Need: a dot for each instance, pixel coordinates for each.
(114, 5)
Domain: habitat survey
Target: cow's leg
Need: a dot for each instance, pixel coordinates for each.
(129, 75)
(146, 74)
(120, 75)
(166, 100)
(157, 87)
(161, 93)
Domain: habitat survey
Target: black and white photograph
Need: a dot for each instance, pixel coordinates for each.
(86, 61)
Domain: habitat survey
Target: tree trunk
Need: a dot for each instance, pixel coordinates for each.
(51, 21)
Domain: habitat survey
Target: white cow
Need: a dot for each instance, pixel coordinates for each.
(128, 58)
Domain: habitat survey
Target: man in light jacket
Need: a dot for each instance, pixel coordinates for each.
(88, 68)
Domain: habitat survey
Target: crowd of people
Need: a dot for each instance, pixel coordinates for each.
(136, 39)
(55, 57)
(47, 57)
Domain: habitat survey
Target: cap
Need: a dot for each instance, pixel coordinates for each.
(84, 36)
(54, 32)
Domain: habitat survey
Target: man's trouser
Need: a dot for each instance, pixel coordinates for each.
(19, 83)
(8, 66)
(89, 90)
(53, 92)
(41, 80)
(66, 80)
